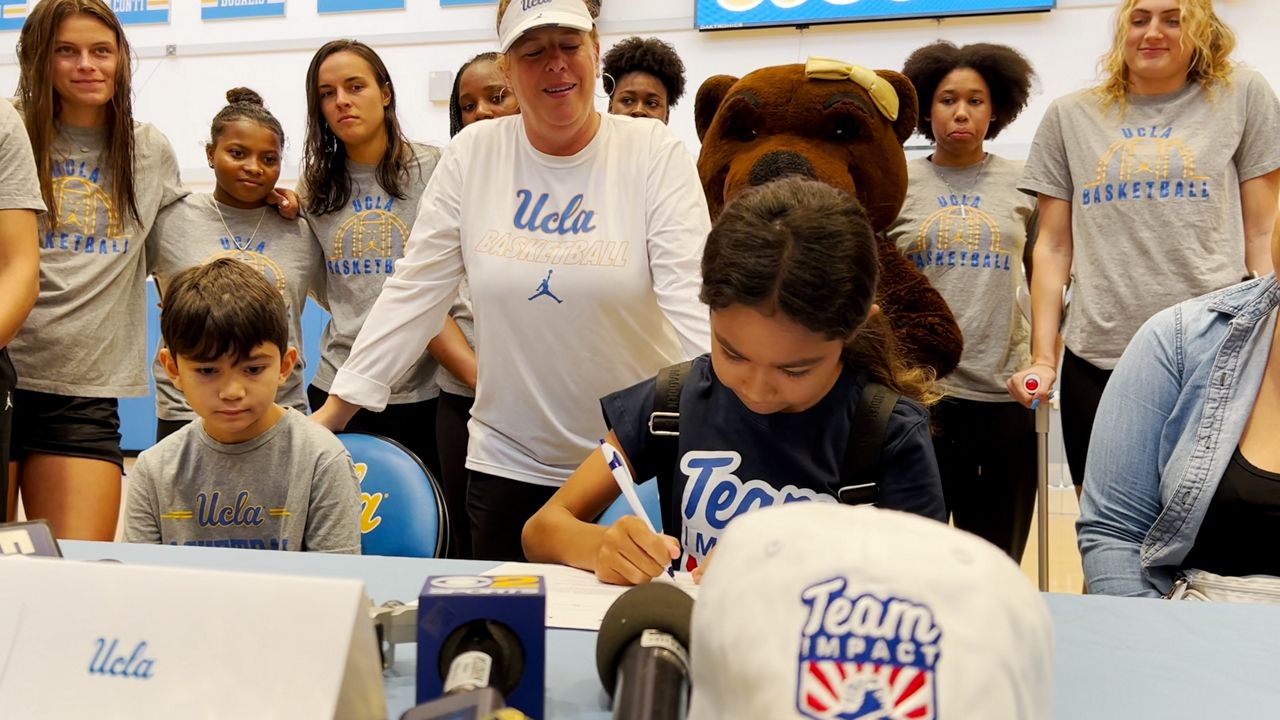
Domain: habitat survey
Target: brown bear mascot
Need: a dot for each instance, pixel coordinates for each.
(843, 125)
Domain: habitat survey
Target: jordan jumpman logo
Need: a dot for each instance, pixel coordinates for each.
(545, 289)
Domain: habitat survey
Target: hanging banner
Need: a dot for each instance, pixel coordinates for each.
(12, 14)
(240, 9)
(141, 12)
(724, 14)
(346, 6)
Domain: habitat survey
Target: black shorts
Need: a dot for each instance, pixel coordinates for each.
(45, 424)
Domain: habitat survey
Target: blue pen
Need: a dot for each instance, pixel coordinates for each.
(627, 485)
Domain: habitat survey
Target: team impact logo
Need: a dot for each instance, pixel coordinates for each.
(866, 658)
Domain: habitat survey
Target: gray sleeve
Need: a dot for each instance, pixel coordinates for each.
(19, 185)
(1259, 149)
(171, 186)
(142, 514)
(1048, 170)
(333, 515)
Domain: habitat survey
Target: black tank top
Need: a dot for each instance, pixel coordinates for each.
(1240, 534)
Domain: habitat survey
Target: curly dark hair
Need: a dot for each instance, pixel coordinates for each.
(1007, 73)
(647, 55)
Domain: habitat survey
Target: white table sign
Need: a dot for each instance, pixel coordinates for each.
(97, 639)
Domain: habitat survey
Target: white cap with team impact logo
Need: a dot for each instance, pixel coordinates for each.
(525, 15)
(813, 610)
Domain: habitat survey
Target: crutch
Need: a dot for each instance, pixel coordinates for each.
(1032, 383)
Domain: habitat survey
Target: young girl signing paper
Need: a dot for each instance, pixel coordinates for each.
(789, 274)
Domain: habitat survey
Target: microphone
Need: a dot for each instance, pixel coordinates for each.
(642, 653)
(481, 662)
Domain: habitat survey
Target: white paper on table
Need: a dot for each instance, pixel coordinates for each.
(576, 600)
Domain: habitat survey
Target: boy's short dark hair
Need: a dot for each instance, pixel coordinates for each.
(219, 308)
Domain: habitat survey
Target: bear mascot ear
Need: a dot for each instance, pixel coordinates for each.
(908, 105)
(710, 95)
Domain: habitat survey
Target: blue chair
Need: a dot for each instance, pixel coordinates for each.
(648, 493)
(402, 511)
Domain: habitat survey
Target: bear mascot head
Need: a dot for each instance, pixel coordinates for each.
(843, 125)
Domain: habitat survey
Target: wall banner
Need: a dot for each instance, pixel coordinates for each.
(240, 9)
(347, 6)
(141, 12)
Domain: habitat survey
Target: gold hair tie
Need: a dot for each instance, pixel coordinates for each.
(882, 93)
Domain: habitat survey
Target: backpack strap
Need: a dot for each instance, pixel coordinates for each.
(664, 438)
(860, 474)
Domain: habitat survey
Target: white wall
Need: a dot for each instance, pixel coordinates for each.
(181, 93)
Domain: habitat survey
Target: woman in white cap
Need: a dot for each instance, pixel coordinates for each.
(580, 235)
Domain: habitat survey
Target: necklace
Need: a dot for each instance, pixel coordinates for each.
(964, 209)
(241, 246)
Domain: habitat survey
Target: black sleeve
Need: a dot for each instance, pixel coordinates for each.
(910, 480)
(626, 412)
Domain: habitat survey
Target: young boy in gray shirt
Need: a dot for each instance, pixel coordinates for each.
(247, 473)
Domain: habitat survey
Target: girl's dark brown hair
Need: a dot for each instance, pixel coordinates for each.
(324, 160)
(807, 250)
(41, 105)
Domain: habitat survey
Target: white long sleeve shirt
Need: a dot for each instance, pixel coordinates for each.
(584, 274)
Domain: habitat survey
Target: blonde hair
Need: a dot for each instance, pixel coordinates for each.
(1211, 44)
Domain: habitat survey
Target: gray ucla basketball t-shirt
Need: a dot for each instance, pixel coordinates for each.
(291, 488)
(1155, 199)
(87, 334)
(360, 244)
(966, 230)
(19, 186)
(197, 230)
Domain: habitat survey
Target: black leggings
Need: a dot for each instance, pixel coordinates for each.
(451, 438)
(1080, 386)
(987, 456)
(8, 381)
(413, 425)
(499, 508)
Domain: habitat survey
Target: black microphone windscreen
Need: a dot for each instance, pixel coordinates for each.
(655, 606)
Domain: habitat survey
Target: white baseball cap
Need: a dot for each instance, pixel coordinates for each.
(525, 15)
(832, 612)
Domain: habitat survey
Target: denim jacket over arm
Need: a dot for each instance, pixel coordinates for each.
(1168, 423)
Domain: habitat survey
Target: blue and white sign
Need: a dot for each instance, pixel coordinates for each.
(726, 14)
(346, 6)
(106, 640)
(12, 14)
(141, 12)
(240, 9)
